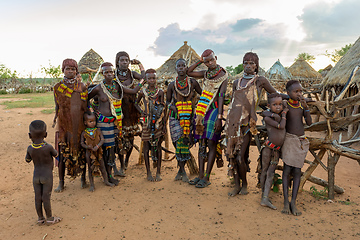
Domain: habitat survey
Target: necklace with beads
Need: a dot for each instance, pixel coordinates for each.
(213, 72)
(178, 87)
(123, 73)
(152, 93)
(294, 104)
(111, 88)
(90, 131)
(38, 145)
(182, 84)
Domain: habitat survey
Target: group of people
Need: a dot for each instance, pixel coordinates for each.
(97, 122)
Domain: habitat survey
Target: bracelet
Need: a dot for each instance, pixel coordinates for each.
(220, 116)
(221, 94)
(307, 110)
(284, 118)
(278, 126)
(198, 63)
(272, 115)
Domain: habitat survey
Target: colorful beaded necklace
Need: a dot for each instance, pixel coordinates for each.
(90, 131)
(111, 88)
(294, 104)
(152, 93)
(38, 145)
(182, 84)
(213, 72)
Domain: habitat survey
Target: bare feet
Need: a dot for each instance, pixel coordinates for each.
(41, 221)
(266, 203)
(126, 163)
(158, 177)
(150, 178)
(286, 209)
(243, 190)
(109, 184)
(184, 177)
(178, 176)
(120, 173)
(52, 220)
(294, 210)
(92, 188)
(234, 192)
(60, 188)
(83, 184)
(114, 181)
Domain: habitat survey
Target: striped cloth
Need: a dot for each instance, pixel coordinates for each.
(176, 130)
(209, 125)
(108, 130)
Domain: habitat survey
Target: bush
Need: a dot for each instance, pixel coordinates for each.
(3, 91)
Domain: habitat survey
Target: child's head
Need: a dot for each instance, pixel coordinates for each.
(122, 60)
(89, 119)
(107, 70)
(251, 63)
(180, 66)
(209, 58)
(150, 76)
(37, 130)
(69, 68)
(294, 90)
(275, 102)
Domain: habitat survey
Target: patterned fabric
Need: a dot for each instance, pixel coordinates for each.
(204, 101)
(108, 131)
(184, 111)
(209, 126)
(176, 130)
(68, 92)
(271, 145)
(182, 149)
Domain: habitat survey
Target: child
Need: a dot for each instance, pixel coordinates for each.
(270, 152)
(42, 153)
(153, 122)
(92, 140)
(296, 145)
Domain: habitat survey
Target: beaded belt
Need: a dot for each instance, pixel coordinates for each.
(271, 145)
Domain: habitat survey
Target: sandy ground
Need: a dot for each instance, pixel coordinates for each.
(138, 209)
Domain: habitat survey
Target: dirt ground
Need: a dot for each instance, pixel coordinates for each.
(138, 209)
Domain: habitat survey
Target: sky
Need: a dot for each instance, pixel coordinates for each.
(36, 33)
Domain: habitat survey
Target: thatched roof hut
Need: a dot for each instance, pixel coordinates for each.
(278, 75)
(90, 62)
(339, 75)
(326, 70)
(302, 71)
(167, 70)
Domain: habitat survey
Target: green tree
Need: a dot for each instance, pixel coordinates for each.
(230, 70)
(52, 71)
(239, 68)
(6, 74)
(233, 71)
(306, 56)
(338, 53)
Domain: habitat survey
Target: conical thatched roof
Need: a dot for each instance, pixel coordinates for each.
(302, 71)
(278, 72)
(167, 70)
(90, 60)
(326, 70)
(339, 74)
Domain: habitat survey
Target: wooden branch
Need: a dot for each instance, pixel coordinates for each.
(324, 183)
(312, 167)
(335, 124)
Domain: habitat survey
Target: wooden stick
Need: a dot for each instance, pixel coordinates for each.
(312, 167)
(324, 183)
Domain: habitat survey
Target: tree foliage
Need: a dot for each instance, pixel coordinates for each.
(338, 53)
(306, 56)
(52, 71)
(6, 74)
(234, 70)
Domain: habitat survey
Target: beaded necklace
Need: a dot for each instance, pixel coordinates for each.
(111, 88)
(152, 93)
(188, 83)
(38, 145)
(90, 131)
(182, 84)
(294, 104)
(213, 72)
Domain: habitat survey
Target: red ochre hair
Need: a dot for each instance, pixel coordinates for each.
(207, 53)
(69, 63)
(150, 70)
(106, 64)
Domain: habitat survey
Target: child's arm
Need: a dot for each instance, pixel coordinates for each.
(161, 100)
(28, 157)
(307, 115)
(268, 113)
(142, 69)
(97, 146)
(82, 141)
(135, 89)
(198, 74)
(140, 96)
(53, 152)
(275, 124)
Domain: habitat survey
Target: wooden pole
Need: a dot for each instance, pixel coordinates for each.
(332, 160)
(141, 153)
(312, 167)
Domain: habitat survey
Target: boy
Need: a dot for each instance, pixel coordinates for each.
(209, 113)
(270, 152)
(180, 96)
(92, 140)
(296, 145)
(42, 153)
(154, 127)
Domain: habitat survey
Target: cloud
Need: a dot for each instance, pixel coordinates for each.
(331, 22)
(228, 38)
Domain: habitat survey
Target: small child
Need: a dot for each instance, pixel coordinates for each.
(92, 139)
(271, 151)
(153, 123)
(42, 153)
(296, 145)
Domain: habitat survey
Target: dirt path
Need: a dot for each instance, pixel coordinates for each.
(138, 209)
